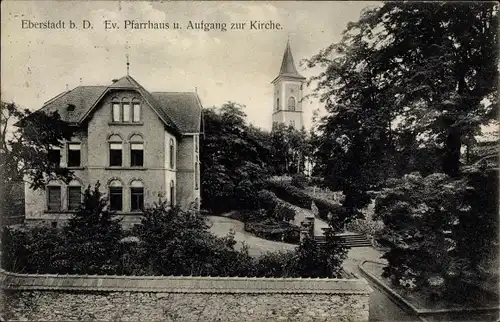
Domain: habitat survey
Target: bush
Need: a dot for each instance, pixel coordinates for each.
(92, 237)
(176, 242)
(300, 181)
(283, 212)
(89, 244)
(301, 199)
(290, 194)
(267, 200)
(276, 264)
(33, 250)
(438, 229)
(320, 260)
(274, 230)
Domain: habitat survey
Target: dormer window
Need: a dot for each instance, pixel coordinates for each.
(125, 110)
(136, 105)
(116, 110)
(70, 108)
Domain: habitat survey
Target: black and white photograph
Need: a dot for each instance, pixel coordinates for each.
(249, 161)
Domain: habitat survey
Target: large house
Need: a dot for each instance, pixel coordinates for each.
(139, 145)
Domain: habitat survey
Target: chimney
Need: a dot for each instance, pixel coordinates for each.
(114, 80)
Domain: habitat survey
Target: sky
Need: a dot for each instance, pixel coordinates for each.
(235, 65)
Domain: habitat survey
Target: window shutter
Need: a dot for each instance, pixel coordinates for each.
(74, 197)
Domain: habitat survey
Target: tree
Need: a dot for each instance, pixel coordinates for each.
(92, 236)
(418, 68)
(235, 159)
(290, 147)
(24, 151)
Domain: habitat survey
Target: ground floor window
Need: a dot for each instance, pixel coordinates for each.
(74, 197)
(116, 198)
(137, 199)
(54, 198)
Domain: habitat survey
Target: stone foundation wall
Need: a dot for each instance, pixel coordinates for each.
(123, 306)
(33, 297)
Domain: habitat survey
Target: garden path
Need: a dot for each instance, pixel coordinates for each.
(221, 226)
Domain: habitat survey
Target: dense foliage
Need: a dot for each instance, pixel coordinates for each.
(406, 88)
(88, 244)
(235, 159)
(166, 242)
(290, 148)
(406, 76)
(335, 213)
(24, 150)
(174, 242)
(92, 237)
(439, 230)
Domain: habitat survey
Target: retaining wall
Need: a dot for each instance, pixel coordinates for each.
(177, 298)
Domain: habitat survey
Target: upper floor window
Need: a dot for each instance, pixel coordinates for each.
(172, 154)
(54, 155)
(54, 198)
(115, 154)
(291, 103)
(136, 105)
(116, 110)
(115, 195)
(74, 155)
(125, 110)
(136, 154)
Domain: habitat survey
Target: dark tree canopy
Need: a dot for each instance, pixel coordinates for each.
(25, 140)
(235, 158)
(422, 72)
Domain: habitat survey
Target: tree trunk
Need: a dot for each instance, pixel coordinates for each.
(451, 157)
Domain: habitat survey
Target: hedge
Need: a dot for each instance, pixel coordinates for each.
(301, 199)
(275, 231)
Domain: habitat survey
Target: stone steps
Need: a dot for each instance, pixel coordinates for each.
(349, 240)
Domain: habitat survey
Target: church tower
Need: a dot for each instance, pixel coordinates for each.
(287, 106)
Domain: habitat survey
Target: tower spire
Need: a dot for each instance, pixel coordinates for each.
(288, 64)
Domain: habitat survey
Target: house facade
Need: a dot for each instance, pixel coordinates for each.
(140, 146)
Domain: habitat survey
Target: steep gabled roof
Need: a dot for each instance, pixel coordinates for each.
(184, 109)
(181, 112)
(81, 97)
